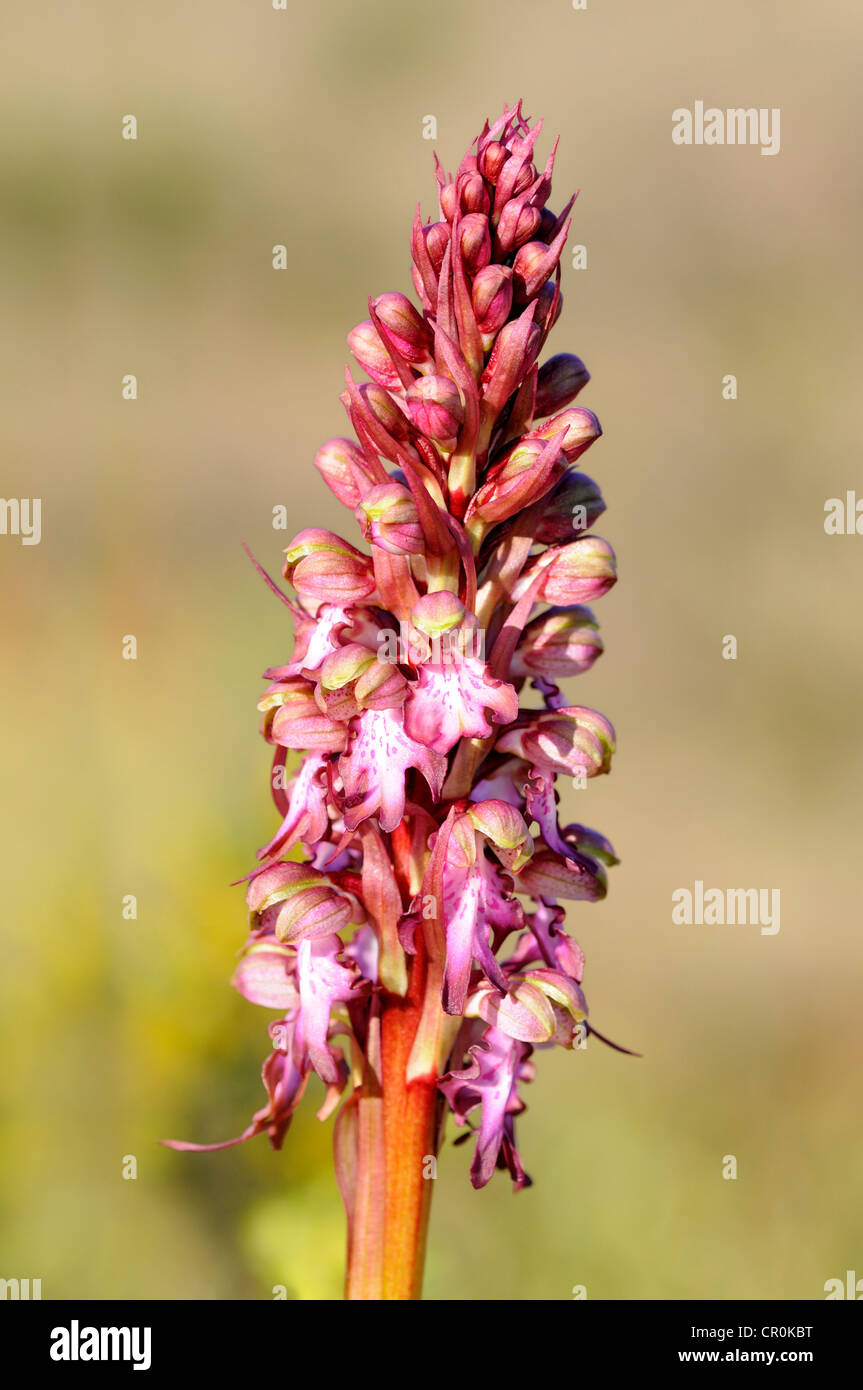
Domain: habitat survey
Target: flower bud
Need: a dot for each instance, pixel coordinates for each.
(436, 236)
(388, 518)
(381, 686)
(517, 174)
(298, 904)
(492, 299)
(535, 263)
(385, 411)
(380, 423)
(519, 222)
(560, 643)
(577, 573)
(566, 999)
(523, 1012)
(264, 975)
(524, 178)
(334, 692)
(353, 679)
(405, 323)
(505, 829)
(559, 382)
(547, 226)
(549, 303)
(590, 842)
(437, 613)
(475, 241)
(293, 719)
(573, 507)
(344, 665)
(449, 201)
(566, 741)
(322, 566)
(541, 1006)
(513, 355)
(581, 429)
(365, 343)
(492, 160)
(336, 461)
(473, 194)
(531, 468)
(434, 404)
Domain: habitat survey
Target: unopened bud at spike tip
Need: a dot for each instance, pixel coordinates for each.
(529, 469)
(436, 236)
(389, 519)
(580, 429)
(549, 303)
(519, 222)
(559, 382)
(492, 160)
(404, 322)
(449, 201)
(435, 406)
(365, 343)
(473, 194)
(475, 241)
(492, 298)
(385, 411)
(575, 505)
(341, 464)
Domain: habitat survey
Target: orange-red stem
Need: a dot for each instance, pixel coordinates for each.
(409, 1141)
(395, 1136)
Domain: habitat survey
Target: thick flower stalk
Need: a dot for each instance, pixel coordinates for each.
(416, 953)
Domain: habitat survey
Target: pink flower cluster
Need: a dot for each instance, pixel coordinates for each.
(424, 795)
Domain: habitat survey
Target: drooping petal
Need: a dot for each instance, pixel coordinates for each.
(547, 941)
(306, 817)
(497, 1064)
(285, 1083)
(450, 700)
(374, 767)
(541, 806)
(315, 638)
(323, 982)
(479, 912)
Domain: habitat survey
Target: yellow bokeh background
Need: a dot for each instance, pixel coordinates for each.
(305, 128)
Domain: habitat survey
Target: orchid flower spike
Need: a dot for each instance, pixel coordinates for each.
(405, 916)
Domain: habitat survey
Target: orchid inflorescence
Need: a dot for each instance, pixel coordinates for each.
(422, 769)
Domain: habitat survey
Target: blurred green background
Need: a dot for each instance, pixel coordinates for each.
(304, 127)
